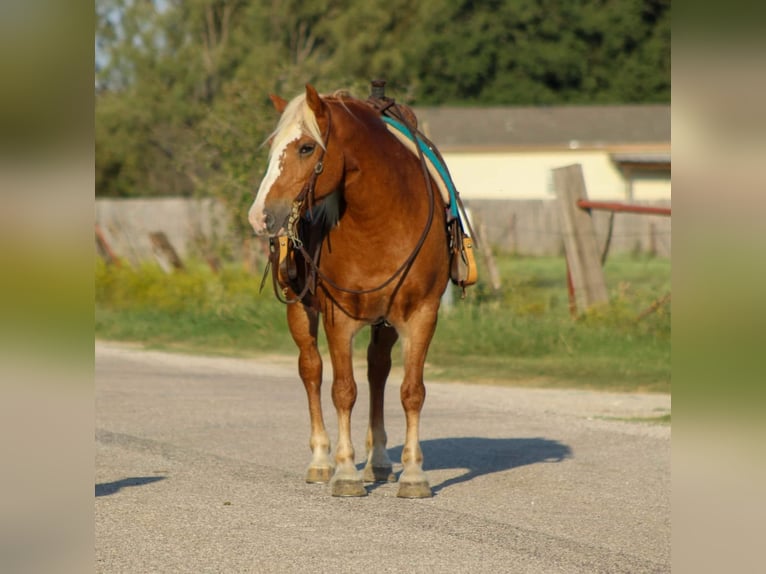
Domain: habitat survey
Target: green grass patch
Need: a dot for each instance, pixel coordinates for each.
(196, 310)
(522, 335)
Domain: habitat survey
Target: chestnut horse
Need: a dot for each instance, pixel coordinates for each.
(372, 250)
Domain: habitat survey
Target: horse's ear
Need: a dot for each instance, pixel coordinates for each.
(279, 103)
(314, 101)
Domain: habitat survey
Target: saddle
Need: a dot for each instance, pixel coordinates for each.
(403, 124)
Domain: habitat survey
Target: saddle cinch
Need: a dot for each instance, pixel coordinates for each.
(403, 124)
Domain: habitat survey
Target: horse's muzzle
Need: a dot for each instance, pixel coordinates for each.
(272, 223)
(258, 222)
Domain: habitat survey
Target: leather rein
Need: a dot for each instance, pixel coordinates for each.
(305, 199)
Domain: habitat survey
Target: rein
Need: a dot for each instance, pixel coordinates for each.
(307, 195)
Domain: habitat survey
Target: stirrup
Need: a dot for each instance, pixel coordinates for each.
(463, 271)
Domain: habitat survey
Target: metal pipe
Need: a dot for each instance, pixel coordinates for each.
(622, 207)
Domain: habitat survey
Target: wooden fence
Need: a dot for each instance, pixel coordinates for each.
(584, 254)
(524, 227)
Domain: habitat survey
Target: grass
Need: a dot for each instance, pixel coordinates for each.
(522, 335)
(658, 420)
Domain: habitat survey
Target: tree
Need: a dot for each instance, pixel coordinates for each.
(182, 86)
(532, 52)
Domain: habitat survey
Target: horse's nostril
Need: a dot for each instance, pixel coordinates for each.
(269, 221)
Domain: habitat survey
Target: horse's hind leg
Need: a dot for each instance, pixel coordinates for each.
(378, 467)
(416, 337)
(304, 324)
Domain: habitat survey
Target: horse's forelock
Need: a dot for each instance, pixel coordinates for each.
(297, 113)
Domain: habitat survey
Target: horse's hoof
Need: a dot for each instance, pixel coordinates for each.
(414, 490)
(346, 487)
(319, 474)
(379, 474)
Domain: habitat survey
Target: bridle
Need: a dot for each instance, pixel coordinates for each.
(306, 196)
(305, 199)
(279, 244)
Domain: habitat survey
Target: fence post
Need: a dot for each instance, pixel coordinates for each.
(166, 255)
(104, 249)
(489, 259)
(579, 234)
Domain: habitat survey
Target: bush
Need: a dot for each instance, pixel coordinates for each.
(524, 332)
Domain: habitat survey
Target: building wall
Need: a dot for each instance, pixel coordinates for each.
(526, 175)
(650, 185)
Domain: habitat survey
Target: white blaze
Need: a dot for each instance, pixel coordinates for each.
(256, 215)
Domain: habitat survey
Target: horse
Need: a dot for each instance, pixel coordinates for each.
(368, 248)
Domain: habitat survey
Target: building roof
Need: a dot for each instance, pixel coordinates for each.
(558, 126)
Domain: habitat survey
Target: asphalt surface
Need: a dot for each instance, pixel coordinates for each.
(200, 464)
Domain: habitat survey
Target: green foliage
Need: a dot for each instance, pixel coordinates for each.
(522, 335)
(182, 86)
(198, 308)
(525, 332)
(532, 52)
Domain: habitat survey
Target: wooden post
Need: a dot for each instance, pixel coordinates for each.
(166, 255)
(580, 241)
(489, 259)
(104, 249)
(571, 293)
(652, 239)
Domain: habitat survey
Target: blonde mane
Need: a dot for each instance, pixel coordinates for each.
(297, 113)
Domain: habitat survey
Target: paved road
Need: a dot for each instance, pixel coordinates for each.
(200, 462)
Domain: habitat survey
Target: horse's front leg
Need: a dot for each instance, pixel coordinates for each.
(416, 337)
(304, 323)
(378, 467)
(340, 331)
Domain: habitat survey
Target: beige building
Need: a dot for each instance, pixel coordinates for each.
(507, 153)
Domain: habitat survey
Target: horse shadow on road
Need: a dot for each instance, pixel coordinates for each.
(480, 456)
(107, 488)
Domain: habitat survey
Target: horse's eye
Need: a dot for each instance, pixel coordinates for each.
(306, 149)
